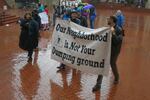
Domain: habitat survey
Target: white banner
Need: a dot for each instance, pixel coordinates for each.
(82, 48)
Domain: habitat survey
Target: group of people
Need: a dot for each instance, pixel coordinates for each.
(33, 22)
(78, 13)
(116, 22)
(32, 25)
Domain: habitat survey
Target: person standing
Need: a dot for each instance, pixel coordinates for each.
(92, 16)
(46, 9)
(73, 18)
(82, 19)
(40, 7)
(36, 17)
(58, 12)
(117, 37)
(120, 20)
(29, 35)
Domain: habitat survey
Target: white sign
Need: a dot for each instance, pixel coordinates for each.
(44, 18)
(82, 48)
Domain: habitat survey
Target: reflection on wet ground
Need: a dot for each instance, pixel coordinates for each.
(40, 80)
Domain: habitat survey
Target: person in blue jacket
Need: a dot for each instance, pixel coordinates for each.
(92, 16)
(120, 18)
(66, 15)
(73, 18)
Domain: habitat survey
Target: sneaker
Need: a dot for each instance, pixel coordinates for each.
(62, 66)
(97, 87)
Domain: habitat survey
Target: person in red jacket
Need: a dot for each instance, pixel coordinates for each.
(46, 9)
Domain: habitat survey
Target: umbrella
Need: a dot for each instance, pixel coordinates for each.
(88, 6)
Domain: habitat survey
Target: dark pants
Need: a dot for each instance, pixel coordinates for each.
(62, 65)
(54, 19)
(30, 52)
(115, 51)
(92, 23)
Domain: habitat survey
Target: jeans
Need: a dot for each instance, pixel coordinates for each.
(92, 22)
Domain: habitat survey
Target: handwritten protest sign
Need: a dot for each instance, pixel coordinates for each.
(82, 48)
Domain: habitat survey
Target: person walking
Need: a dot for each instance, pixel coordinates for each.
(36, 17)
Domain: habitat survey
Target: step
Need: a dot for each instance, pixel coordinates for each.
(9, 22)
(8, 16)
(11, 18)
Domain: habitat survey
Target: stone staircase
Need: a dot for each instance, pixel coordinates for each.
(5, 17)
(2, 3)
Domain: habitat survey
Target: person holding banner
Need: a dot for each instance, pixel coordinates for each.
(117, 37)
(120, 20)
(73, 18)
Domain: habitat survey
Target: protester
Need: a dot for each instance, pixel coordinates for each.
(73, 18)
(82, 19)
(140, 3)
(85, 12)
(117, 37)
(29, 35)
(46, 9)
(120, 19)
(58, 11)
(92, 16)
(36, 17)
(66, 15)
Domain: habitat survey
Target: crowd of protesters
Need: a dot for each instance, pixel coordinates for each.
(78, 13)
(36, 22)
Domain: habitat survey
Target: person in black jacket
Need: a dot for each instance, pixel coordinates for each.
(73, 18)
(83, 20)
(36, 17)
(28, 39)
(117, 37)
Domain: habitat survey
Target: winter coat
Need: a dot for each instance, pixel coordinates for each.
(28, 39)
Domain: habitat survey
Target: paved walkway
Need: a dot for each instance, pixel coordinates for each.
(41, 81)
